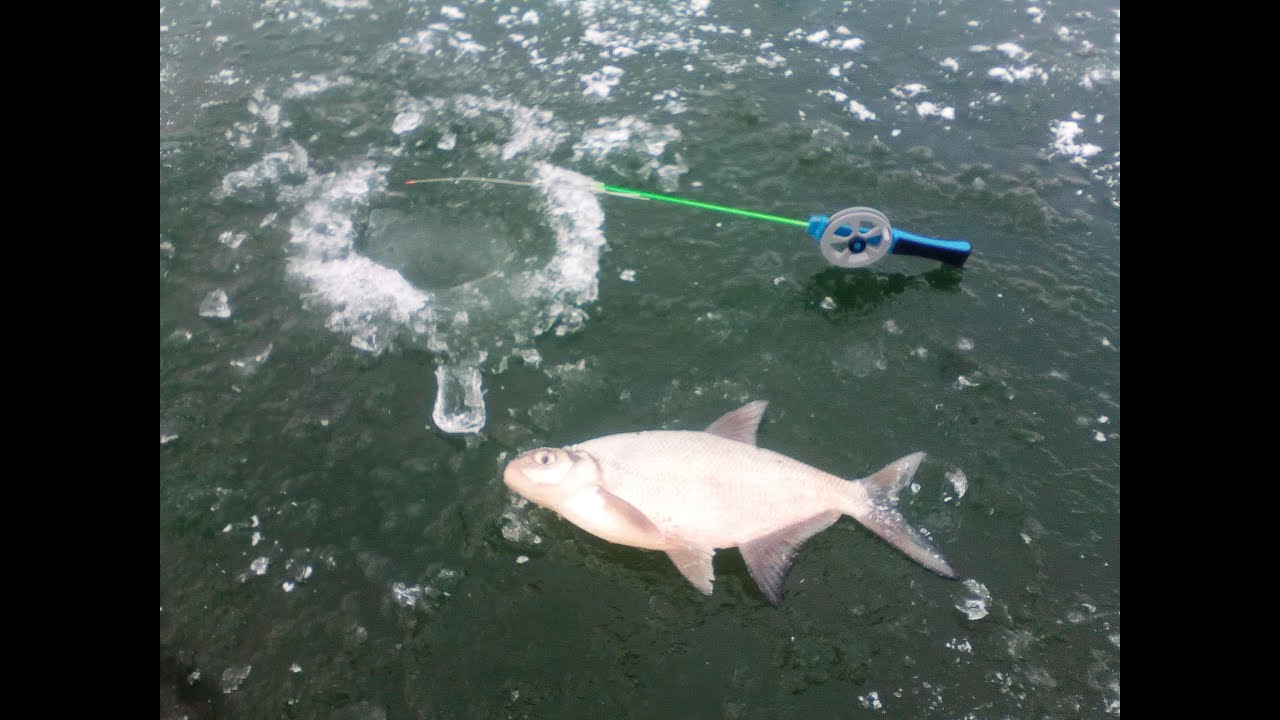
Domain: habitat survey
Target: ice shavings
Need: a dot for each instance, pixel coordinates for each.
(233, 676)
(499, 309)
(249, 365)
(1023, 74)
(369, 299)
(516, 527)
(216, 305)
(406, 122)
(631, 27)
(633, 137)
(927, 109)
(824, 38)
(601, 82)
(316, 84)
(1013, 51)
(1065, 133)
(282, 165)
(860, 111)
(908, 90)
(576, 218)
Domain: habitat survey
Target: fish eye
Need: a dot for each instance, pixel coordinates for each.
(542, 458)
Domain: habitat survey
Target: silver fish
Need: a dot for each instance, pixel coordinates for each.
(692, 493)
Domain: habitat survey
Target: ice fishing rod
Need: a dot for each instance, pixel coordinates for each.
(851, 238)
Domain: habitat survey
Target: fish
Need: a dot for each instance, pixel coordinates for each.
(692, 493)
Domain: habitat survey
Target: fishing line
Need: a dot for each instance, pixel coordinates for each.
(852, 238)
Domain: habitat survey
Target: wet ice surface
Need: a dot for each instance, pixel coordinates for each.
(354, 310)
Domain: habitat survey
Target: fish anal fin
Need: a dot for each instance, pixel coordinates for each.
(696, 565)
(740, 424)
(769, 557)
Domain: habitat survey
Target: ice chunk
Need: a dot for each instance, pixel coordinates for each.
(928, 109)
(407, 595)
(233, 676)
(260, 565)
(215, 305)
(406, 122)
(249, 364)
(860, 111)
(459, 404)
(974, 605)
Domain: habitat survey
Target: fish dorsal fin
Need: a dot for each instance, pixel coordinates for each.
(741, 424)
(695, 564)
(884, 486)
(769, 558)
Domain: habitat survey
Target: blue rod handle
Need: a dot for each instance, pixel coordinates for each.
(952, 252)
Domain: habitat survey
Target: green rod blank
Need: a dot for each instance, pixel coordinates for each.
(637, 194)
(628, 192)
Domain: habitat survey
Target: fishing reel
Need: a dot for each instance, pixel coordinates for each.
(859, 236)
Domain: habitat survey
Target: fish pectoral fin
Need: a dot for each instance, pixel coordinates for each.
(620, 521)
(741, 424)
(695, 564)
(769, 557)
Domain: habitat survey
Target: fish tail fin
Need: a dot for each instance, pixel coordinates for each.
(879, 513)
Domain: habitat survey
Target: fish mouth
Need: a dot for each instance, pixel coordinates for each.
(511, 474)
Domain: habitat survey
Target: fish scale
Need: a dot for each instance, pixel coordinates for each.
(714, 491)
